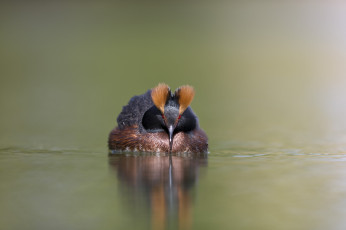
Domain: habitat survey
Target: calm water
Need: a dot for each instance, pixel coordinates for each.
(243, 189)
(270, 93)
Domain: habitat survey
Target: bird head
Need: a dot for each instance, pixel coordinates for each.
(173, 109)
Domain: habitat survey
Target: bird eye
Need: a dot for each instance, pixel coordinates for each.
(179, 117)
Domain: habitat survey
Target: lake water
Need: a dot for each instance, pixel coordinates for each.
(242, 188)
(270, 94)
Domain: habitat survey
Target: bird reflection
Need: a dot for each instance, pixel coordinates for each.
(165, 181)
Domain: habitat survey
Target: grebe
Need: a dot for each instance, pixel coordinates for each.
(159, 121)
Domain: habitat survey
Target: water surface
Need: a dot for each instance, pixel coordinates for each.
(242, 189)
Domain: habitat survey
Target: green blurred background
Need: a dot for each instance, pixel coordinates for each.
(270, 93)
(261, 69)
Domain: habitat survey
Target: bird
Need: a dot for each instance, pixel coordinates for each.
(159, 121)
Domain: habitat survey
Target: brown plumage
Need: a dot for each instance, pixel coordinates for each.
(131, 140)
(159, 121)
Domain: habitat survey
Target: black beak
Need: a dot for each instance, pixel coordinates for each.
(170, 132)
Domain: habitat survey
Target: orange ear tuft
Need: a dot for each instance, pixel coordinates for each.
(185, 95)
(159, 95)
